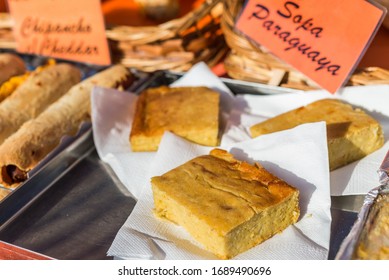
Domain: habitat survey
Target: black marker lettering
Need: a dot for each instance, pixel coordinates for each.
(268, 24)
(263, 10)
(333, 69)
(322, 62)
(313, 55)
(276, 29)
(293, 43)
(303, 48)
(306, 25)
(317, 31)
(289, 14)
(284, 35)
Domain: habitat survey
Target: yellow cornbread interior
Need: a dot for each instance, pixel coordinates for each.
(190, 112)
(351, 133)
(374, 240)
(229, 206)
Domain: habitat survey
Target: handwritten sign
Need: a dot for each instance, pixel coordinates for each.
(322, 39)
(67, 29)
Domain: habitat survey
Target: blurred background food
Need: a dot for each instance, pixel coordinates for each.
(160, 10)
(128, 12)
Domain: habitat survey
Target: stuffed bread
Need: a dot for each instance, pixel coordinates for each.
(34, 95)
(36, 138)
(11, 65)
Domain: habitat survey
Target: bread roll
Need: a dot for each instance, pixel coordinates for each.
(10, 65)
(36, 138)
(34, 95)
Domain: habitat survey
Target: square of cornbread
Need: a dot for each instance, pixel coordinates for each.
(351, 133)
(227, 205)
(189, 112)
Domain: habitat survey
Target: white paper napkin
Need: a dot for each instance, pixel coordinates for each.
(355, 178)
(112, 115)
(299, 156)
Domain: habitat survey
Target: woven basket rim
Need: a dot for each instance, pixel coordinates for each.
(161, 31)
(197, 32)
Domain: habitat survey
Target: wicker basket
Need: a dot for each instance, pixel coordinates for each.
(250, 62)
(369, 76)
(174, 45)
(254, 63)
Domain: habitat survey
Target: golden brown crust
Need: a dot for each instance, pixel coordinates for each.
(351, 133)
(190, 112)
(34, 95)
(36, 138)
(10, 65)
(225, 203)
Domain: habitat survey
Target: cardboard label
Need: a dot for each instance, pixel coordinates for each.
(67, 29)
(322, 39)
